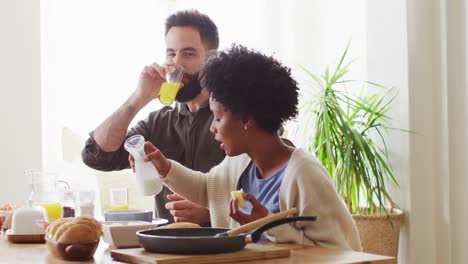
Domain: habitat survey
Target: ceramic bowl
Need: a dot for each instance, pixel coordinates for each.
(122, 234)
(74, 252)
(129, 215)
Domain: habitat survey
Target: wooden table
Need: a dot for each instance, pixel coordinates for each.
(38, 253)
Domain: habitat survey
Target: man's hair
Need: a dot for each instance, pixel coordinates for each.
(201, 22)
(248, 83)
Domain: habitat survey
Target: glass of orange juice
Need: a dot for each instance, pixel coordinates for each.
(170, 88)
(118, 199)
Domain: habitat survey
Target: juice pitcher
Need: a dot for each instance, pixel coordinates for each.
(44, 187)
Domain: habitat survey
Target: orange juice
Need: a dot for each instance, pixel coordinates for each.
(54, 210)
(118, 207)
(168, 92)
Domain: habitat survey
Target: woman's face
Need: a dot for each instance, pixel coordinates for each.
(228, 129)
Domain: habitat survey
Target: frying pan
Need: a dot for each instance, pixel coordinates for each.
(205, 240)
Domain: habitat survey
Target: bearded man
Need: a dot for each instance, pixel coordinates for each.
(180, 132)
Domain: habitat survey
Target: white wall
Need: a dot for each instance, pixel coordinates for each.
(97, 62)
(387, 64)
(20, 104)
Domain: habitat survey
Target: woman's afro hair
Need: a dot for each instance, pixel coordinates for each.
(250, 84)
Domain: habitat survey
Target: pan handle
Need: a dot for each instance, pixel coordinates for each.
(260, 222)
(255, 236)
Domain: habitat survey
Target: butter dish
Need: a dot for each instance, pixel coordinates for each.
(26, 225)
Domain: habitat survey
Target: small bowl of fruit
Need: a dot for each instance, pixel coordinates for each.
(6, 214)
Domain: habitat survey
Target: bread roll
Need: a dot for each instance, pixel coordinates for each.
(74, 230)
(78, 233)
(179, 225)
(91, 223)
(52, 228)
(80, 219)
(61, 229)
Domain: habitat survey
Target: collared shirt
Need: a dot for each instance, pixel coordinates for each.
(178, 133)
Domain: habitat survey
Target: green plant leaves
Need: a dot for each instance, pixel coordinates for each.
(348, 131)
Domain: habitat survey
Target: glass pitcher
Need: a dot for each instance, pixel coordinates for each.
(44, 193)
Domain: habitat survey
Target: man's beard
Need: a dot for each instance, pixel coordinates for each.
(190, 90)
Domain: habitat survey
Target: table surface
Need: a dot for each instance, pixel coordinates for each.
(38, 253)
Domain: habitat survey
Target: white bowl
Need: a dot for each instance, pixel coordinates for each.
(122, 234)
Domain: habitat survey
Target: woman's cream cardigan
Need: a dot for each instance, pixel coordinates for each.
(305, 185)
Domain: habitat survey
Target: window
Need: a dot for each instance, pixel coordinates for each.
(93, 52)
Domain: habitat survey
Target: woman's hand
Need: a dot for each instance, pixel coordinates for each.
(160, 162)
(185, 211)
(258, 210)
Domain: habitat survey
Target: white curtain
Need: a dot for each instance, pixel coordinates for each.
(438, 111)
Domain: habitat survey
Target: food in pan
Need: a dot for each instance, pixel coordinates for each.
(179, 225)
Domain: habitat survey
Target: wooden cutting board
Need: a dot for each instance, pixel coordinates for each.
(250, 252)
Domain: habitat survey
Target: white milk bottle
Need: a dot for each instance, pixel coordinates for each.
(147, 176)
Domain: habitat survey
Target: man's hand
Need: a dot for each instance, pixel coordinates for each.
(151, 78)
(185, 211)
(258, 210)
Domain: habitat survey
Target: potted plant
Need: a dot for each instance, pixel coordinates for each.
(350, 141)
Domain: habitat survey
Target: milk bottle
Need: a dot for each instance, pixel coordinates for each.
(147, 177)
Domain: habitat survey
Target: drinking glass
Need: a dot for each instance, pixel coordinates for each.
(86, 202)
(118, 199)
(170, 88)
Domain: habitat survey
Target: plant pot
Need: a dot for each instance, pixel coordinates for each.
(379, 234)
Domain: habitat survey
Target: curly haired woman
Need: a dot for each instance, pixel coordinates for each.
(251, 96)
